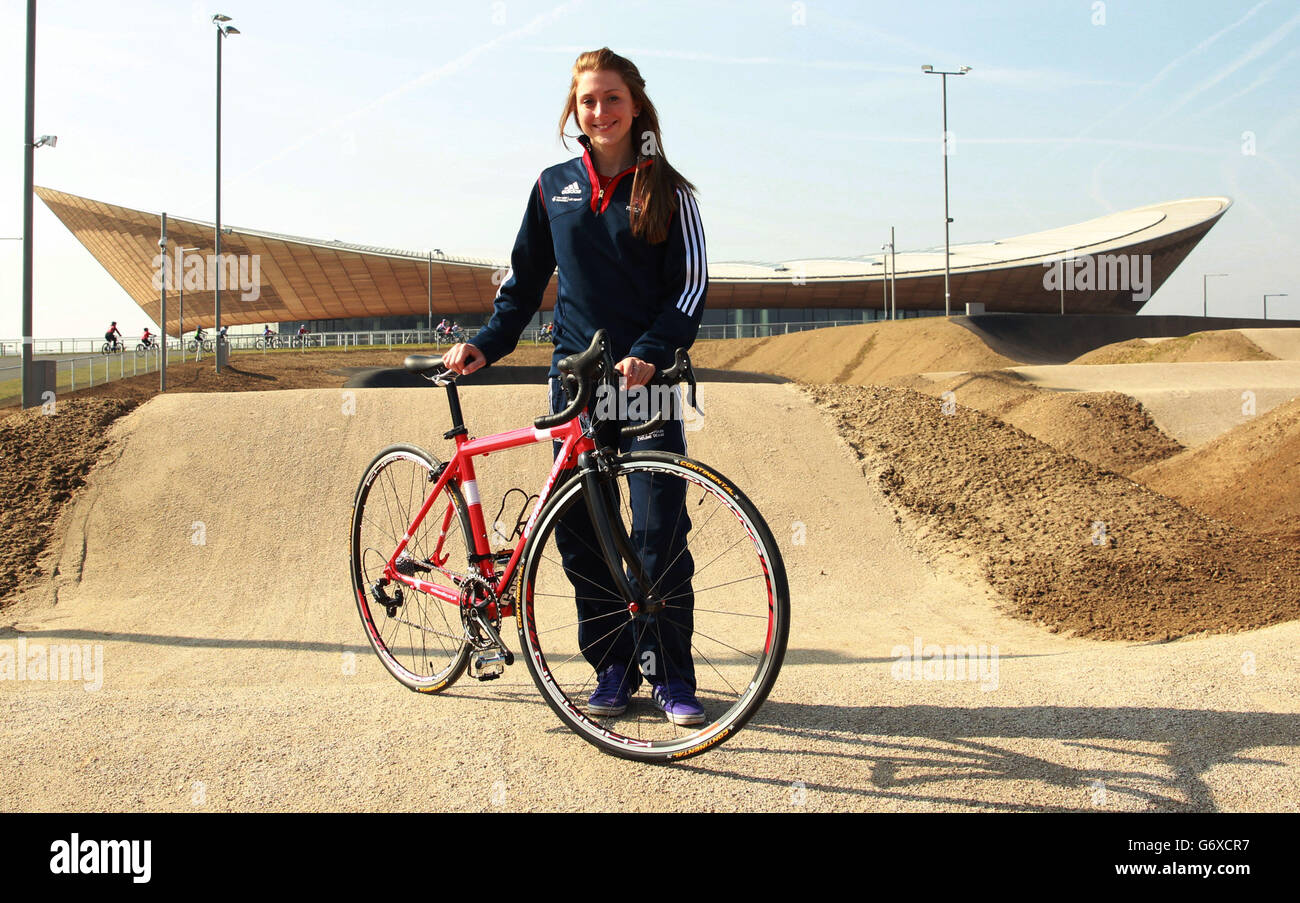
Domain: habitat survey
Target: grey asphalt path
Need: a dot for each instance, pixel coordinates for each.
(236, 675)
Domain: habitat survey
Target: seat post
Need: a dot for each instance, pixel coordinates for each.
(457, 419)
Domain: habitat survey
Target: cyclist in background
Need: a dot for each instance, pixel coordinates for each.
(146, 339)
(113, 335)
(199, 338)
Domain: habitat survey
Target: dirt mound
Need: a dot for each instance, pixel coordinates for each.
(1108, 429)
(1216, 345)
(1071, 547)
(1249, 476)
(46, 457)
(856, 354)
(1281, 342)
(59, 449)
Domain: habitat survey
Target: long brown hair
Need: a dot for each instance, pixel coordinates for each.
(654, 187)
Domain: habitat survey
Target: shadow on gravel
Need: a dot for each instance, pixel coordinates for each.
(916, 753)
(184, 642)
(828, 657)
(397, 378)
(901, 748)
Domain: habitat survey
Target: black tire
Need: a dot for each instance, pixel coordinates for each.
(740, 609)
(106, 348)
(423, 643)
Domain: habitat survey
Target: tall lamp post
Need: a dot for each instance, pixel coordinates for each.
(884, 278)
(1274, 295)
(223, 31)
(947, 220)
(893, 274)
(162, 254)
(1205, 292)
(30, 143)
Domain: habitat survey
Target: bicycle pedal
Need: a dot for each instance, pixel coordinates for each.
(488, 665)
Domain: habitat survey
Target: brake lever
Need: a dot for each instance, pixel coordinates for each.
(690, 387)
(683, 371)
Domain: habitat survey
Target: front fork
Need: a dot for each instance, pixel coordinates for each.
(601, 494)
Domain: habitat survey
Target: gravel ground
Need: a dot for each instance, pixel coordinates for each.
(236, 675)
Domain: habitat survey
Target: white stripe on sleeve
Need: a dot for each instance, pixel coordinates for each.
(696, 265)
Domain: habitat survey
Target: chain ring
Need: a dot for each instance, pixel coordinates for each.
(474, 589)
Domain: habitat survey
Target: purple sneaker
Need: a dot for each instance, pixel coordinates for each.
(678, 701)
(614, 686)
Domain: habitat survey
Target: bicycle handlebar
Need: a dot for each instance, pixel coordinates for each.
(578, 372)
(581, 371)
(680, 371)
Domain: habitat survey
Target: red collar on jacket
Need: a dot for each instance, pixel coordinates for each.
(600, 198)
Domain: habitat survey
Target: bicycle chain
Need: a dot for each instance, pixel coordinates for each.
(399, 619)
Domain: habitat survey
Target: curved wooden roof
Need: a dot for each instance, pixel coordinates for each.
(308, 279)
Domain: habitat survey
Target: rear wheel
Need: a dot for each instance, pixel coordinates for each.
(716, 570)
(420, 639)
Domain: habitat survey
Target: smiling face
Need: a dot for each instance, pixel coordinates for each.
(605, 112)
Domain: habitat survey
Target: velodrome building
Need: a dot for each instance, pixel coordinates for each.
(1105, 266)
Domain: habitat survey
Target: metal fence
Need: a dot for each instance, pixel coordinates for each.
(11, 348)
(81, 363)
(80, 372)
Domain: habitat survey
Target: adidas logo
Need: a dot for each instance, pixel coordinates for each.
(571, 188)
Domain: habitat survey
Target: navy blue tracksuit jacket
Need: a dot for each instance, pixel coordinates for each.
(649, 298)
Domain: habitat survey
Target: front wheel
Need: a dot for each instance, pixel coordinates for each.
(420, 639)
(719, 587)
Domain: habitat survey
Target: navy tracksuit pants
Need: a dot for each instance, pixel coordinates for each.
(658, 645)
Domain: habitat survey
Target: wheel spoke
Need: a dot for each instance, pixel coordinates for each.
(423, 644)
(723, 651)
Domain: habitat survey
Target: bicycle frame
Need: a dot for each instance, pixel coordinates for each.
(461, 468)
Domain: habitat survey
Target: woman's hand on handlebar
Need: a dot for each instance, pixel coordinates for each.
(636, 371)
(464, 358)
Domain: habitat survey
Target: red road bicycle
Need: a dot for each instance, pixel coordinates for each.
(433, 593)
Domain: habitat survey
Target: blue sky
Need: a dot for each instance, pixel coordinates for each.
(809, 128)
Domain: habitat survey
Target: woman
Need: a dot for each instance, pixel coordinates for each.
(623, 228)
